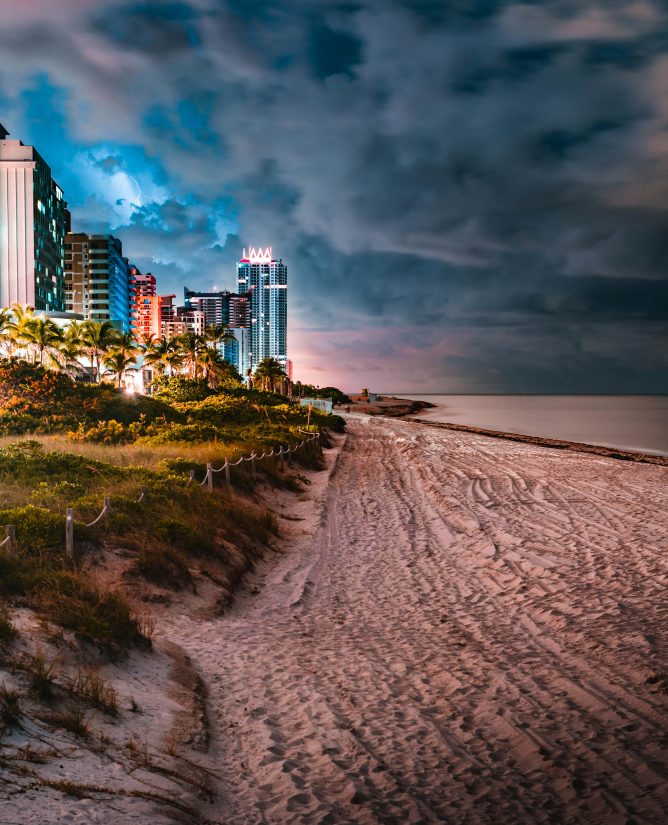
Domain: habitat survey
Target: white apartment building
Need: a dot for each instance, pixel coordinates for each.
(34, 220)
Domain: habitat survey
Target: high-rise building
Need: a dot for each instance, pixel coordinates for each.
(237, 349)
(214, 305)
(167, 320)
(97, 280)
(220, 308)
(227, 309)
(265, 280)
(239, 311)
(142, 289)
(33, 222)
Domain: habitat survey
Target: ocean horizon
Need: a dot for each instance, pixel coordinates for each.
(631, 422)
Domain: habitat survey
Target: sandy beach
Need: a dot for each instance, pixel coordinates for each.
(458, 629)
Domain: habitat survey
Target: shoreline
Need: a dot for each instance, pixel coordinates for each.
(406, 408)
(618, 453)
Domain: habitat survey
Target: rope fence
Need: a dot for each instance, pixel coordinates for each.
(10, 541)
(281, 451)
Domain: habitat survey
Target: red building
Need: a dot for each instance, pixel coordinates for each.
(142, 290)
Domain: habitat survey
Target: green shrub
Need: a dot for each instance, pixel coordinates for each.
(38, 530)
(15, 575)
(102, 402)
(28, 464)
(106, 432)
(335, 423)
(247, 525)
(33, 399)
(73, 720)
(19, 424)
(106, 618)
(91, 688)
(178, 388)
(163, 566)
(187, 536)
(55, 495)
(7, 630)
(10, 705)
(309, 391)
(173, 432)
(41, 675)
(182, 466)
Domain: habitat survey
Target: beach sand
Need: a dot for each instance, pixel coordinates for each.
(458, 629)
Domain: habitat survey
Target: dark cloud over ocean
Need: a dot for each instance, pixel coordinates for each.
(471, 196)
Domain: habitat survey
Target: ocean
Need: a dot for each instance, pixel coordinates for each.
(630, 422)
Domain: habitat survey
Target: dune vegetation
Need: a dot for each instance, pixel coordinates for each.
(68, 445)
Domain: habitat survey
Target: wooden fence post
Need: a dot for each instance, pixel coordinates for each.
(209, 477)
(192, 476)
(107, 505)
(228, 478)
(253, 469)
(10, 532)
(69, 533)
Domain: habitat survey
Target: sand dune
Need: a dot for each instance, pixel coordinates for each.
(471, 632)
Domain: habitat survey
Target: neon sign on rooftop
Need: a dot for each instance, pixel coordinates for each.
(257, 256)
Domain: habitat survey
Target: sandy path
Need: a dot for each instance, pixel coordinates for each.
(472, 633)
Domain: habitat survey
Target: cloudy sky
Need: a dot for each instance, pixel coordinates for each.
(471, 195)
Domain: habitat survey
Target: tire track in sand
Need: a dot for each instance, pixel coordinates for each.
(466, 637)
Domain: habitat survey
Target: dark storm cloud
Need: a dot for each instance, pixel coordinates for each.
(472, 194)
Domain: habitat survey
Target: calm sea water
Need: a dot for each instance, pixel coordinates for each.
(632, 422)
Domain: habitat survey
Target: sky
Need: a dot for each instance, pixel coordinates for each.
(470, 195)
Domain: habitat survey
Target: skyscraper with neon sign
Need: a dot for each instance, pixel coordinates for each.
(265, 280)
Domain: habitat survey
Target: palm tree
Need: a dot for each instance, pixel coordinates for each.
(126, 343)
(209, 361)
(216, 334)
(117, 362)
(98, 338)
(270, 372)
(161, 353)
(6, 332)
(21, 316)
(175, 357)
(71, 347)
(191, 346)
(43, 336)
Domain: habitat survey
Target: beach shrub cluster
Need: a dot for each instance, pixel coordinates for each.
(40, 401)
(37, 400)
(309, 391)
(172, 389)
(185, 526)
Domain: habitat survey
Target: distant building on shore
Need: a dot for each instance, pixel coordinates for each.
(264, 280)
(97, 280)
(34, 220)
(364, 397)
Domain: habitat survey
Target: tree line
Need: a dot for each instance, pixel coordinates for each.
(112, 353)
